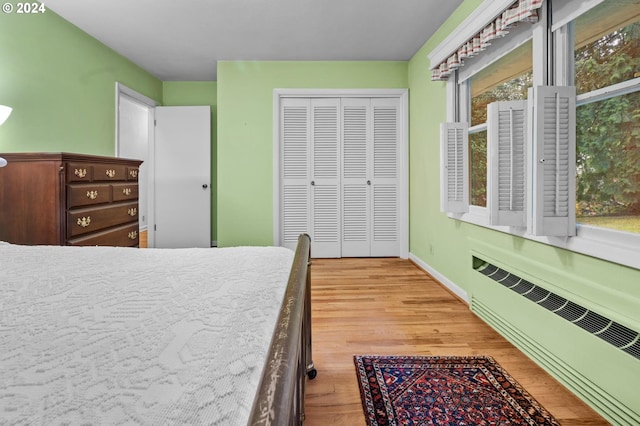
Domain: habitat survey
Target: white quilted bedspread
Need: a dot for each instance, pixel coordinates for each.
(113, 336)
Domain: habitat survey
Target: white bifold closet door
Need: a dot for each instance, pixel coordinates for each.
(325, 178)
(370, 183)
(339, 175)
(310, 130)
(294, 170)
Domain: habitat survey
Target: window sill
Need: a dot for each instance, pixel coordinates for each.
(607, 244)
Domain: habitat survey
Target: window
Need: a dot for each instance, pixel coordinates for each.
(507, 79)
(581, 64)
(607, 70)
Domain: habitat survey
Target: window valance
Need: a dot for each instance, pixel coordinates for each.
(520, 11)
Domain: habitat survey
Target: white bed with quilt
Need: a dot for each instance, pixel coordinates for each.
(104, 335)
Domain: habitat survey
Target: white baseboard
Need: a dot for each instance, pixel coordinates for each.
(458, 291)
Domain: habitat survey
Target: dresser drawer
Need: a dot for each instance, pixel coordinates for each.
(91, 172)
(86, 195)
(123, 236)
(79, 172)
(84, 221)
(125, 191)
(102, 172)
(132, 174)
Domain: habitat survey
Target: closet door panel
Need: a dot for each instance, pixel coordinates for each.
(385, 148)
(355, 229)
(340, 160)
(356, 182)
(295, 135)
(384, 241)
(295, 212)
(325, 179)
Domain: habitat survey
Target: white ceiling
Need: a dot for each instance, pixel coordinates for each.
(182, 40)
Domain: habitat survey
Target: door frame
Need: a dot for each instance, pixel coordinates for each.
(122, 90)
(402, 95)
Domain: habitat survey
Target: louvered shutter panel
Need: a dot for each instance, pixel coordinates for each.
(356, 130)
(385, 226)
(325, 143)
(454, 167)
(553, 160)
(294, 122)
(507, 137)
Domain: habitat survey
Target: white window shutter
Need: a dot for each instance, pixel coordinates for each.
(507, 138)
(552, 165)
(454, 167)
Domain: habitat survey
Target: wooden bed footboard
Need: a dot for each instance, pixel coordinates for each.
(280, 397)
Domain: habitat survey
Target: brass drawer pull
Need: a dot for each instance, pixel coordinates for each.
(80, 172)
(126, 191)
(133, 235)
(111, 173)
(132, 211)
(133, 173)
(84, 221)
(92, 195)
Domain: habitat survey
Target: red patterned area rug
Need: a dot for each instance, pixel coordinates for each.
(423, 390)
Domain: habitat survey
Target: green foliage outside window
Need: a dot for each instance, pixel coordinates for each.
(478, 171)
(608, 132)
(511, 90)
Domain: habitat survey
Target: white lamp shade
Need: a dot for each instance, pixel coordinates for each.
(5, 112)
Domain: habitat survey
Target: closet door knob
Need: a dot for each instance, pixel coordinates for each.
(205, 186)
(368, 182)
(313, 182)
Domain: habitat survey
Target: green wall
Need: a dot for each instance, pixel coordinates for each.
(434, 238)
(197, 93)
(60, 83)
(245, 132)
(448, 246)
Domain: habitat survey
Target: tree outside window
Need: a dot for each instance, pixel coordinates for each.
(608, 131)
(508, 79)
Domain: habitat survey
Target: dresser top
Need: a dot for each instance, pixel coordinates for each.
(66, 156)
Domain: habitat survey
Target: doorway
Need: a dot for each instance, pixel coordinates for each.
(134, 139)
(174, 181)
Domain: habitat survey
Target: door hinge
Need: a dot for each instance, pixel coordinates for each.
(154, 227)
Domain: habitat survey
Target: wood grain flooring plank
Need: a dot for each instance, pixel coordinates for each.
(389, 306)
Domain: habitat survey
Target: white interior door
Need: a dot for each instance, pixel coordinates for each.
(294, 157)
(182, 177)
(370, 178)
(325, 179)
(356, 179)
(385, 178)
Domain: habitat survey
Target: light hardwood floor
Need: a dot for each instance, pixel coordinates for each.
(392, 307)
(143, 239)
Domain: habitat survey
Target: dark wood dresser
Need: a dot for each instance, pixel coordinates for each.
(69, 199)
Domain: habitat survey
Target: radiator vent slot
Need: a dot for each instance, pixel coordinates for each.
(606, 329)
